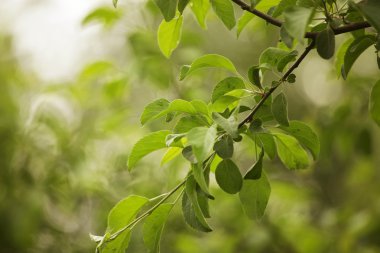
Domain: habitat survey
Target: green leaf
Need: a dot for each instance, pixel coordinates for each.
(185, 124)
(283, 62)
(104, 15)
(187, 152)
(167, 8)
(292, 155)
(122, 214)
(228, 176)
(296, 21)
(285, 37)
(276, 58)
(370, 9)
(255, 171)
(202, 140)
(266, 141)
(305, 135)
(200, 9)
(172, 140)
(230, 125)
(282, 6)
(146, 145)
(170, 154)
(280, 109)
(224, 147)
(114, 2)
(356, 48)
(191, 209)
(374, 103)
(339, 60)
(200, 107)
(254, 76)
(243, 21)
(225, 11)
(154, 225)
(199, 177)
(254, 196)
(226, 85)
(264, 6)
(153, 109)
(182, 5)
(326, 43)
(169, 35)
(210, 61)
(224, 102)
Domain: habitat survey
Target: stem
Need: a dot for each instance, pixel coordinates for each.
(283, 79)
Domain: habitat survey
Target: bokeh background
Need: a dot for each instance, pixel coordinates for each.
(74, 78)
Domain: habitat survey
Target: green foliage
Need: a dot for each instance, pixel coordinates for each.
(280, 109)
(374, 106)
(296, 21)
(225, 11)
(228, 176)
(169, 35)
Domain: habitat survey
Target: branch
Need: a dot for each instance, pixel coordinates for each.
(310, 35)
(283, 79)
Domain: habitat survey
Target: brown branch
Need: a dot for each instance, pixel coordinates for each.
(283, 79)
(310, 35)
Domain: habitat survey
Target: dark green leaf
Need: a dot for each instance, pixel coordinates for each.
(228, 176)
(199, 177)
(202, 140)
(146, 145)
(226, 85)
(210, 61)
(370, 10)
(224, 147)
(280, 109)
(255, 171)
(154, 225)
(254, 196)
(291, 56)
(225, 11)
(286, 38)
(292, 155)
(182, 5)
(167, 8)
(356, 48)
(305, 135)
(153, 109)
(188, 153)
(169, 35)
(254, 76)
(374, 104)
(326, 43)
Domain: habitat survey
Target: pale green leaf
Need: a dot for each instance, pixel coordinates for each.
(296, 21)
(225, 11)
(114, 2)
(146, 145)
(106, 16)
(202, 140)
(282, 6)
(292, 155)
(210, 61)
(200, 9)
(169, 35)
(254, 196)
(154, 225)
(170, 154)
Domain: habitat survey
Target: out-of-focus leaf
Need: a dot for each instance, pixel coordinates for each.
(374, 103)
(167, 8)
(339, 60)
(230, 125)
(254, 76)
(282, 6)
(170, 154)
(243, 21)
(114, 2)
(146, 145)
(199, 177)
(296, 21)
(370, 9)
(228, 176)
(225, 11)
(169, 35)
(105, 15)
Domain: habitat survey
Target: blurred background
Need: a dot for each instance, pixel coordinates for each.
(74, 78)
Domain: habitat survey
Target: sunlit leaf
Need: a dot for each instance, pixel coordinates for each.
(225, 11)
(105, 15)
(280, 109)
(226, 85)
(370, 9)
(169, 35)
(200, 9)
(146, 145)
(230, 125)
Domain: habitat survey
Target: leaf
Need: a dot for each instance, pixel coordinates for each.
(280, 109)
(228, 176)
(339, 60)
(370, 9)
(326, 43)
(243, 21)
(167, 8)
(356, 48)
(230, 125)
(224, 102)
(255, 171)
(224, 147)
(200, 107)
(182, 5)
(285, 37)
(172, 140)
(154, 225)
(187, 152)
(254, 76)
(276, 58)
(200, 9)
(153, 109)
(106, 16)
(374, 103)
(114, 2)
(146, 145)
(296, 21)
(210, 61)
(185, 124)
(264, 6)
(122, 214)
(201, 140)
(282, 6)
(292, 155)
(305, 135)
(226, 85)
(254, 196)
(199, 177)
(225, 11)
(266, 141)
(291, 56)
(190, 206)
(169, 35)
(170, 154)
